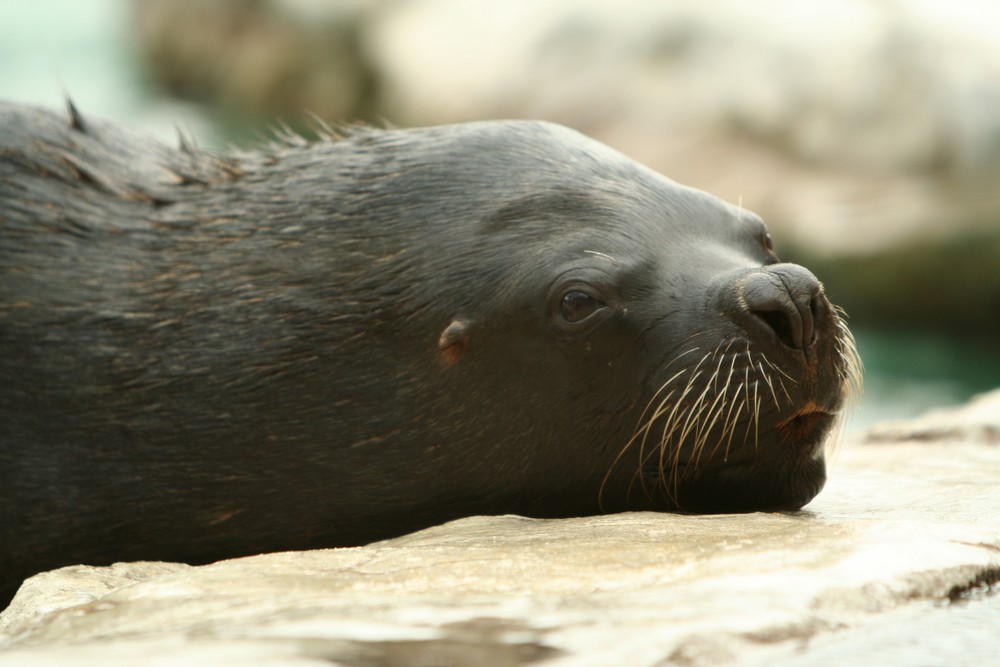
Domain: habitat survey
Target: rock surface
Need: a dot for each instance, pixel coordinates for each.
(903, 530)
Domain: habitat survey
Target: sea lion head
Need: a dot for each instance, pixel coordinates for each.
(645, 330)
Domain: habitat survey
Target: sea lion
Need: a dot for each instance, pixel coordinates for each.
(334, 341)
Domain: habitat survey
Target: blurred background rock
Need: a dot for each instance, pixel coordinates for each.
(866, 133)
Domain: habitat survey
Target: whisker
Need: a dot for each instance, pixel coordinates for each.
(644, 426)
(732, 429)
(770, 385)
(722, 396)
(756, 417)
(789, 377)
(785, 390)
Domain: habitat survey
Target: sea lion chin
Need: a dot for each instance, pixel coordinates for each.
(331, 342)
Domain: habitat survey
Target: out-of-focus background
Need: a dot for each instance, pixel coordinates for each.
(867, 133)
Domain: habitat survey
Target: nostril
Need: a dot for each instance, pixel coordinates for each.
(781, 324)
(786, 328)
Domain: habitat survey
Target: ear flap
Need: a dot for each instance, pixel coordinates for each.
(453, 340)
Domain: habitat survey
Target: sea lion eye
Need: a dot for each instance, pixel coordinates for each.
(577, 306)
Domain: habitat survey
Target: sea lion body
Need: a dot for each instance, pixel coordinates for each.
(327, 343)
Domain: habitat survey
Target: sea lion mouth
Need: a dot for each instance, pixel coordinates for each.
(780, 467)
(802, 434)
(783, 469)
(736, 430)
(807, 428)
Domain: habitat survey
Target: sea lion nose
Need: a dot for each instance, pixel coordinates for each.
(784, 298)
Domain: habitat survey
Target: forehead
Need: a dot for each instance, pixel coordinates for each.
(564, 171)
(545, 184)
(632, 204)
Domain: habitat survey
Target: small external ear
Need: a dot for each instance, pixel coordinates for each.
(453, 340)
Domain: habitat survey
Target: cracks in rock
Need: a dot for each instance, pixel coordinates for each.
(984, 584)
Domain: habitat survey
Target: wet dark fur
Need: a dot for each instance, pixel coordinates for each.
(209, 356)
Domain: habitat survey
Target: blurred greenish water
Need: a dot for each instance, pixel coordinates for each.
(907, 373)
(83, 48)
(49, 48)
